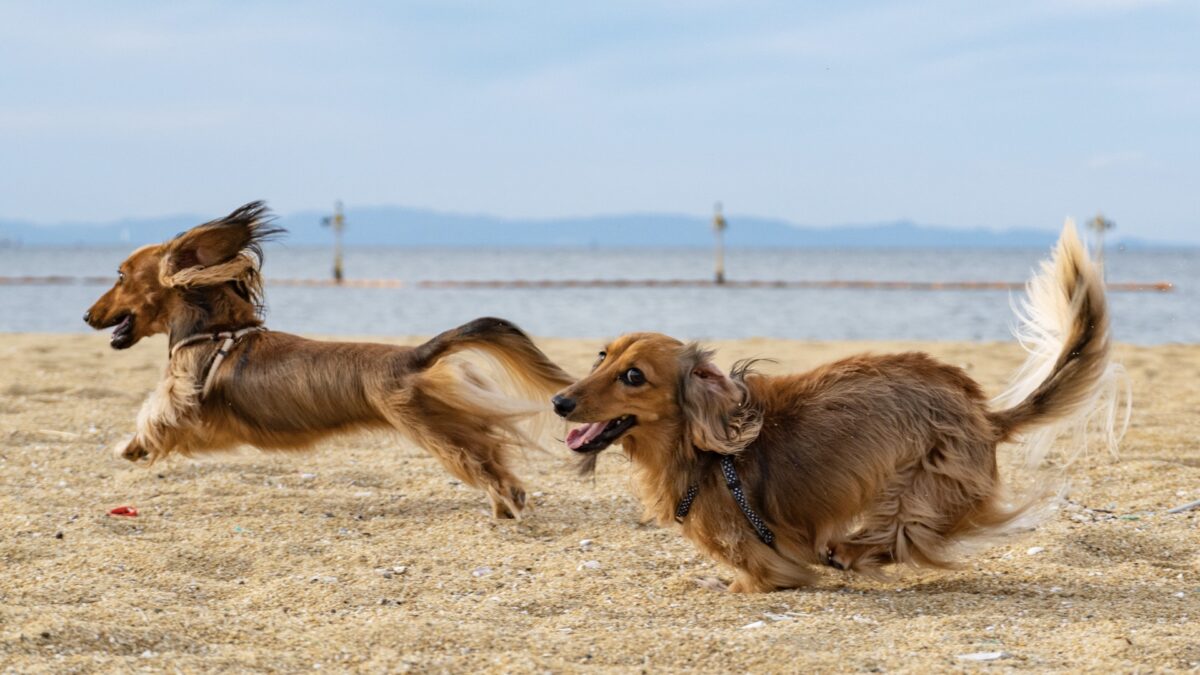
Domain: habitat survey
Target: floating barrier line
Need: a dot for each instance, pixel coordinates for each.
(1158, 286)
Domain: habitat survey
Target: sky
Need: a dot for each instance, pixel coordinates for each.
(963, 114)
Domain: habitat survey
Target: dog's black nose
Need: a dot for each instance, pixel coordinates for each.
(87, 317)
(563, 405)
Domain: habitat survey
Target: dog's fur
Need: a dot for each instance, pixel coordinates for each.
(857, 464)
(278, 391)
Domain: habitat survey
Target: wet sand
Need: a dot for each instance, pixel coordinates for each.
(366, 555)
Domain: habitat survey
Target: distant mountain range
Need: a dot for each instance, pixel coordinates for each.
(401, 226)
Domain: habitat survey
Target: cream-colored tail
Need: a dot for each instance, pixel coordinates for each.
(1069, 378)
(515, 386)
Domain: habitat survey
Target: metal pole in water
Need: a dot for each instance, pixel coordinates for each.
(337, 222)
(1100, 225)
(719, 226)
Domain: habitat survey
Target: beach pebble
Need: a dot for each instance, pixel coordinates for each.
(589, 565)
(754, 624)
(981, 656)
(1034, 551)
(323, 579)
(307, 476)
(585, 544)
(481, 571)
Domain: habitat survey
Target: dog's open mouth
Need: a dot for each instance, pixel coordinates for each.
(597, 436)
(122, 336)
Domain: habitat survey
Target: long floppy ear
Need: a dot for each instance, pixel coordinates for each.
(227, 249)
(718, 412)
(220, 241)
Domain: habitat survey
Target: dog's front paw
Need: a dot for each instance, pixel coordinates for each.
(711, 583)
(509, 506)
(130, 450)
(832, 559)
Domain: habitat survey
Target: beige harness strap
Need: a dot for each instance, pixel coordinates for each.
(230, 337)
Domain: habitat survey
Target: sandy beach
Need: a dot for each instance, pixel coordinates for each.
(365, 555)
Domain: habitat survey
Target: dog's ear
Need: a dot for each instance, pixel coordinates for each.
(220, 241)
(717, 410)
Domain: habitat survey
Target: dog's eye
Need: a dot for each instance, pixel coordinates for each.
(120, 275)
(599, 359)
(633, 377)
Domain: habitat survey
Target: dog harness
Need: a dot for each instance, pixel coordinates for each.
(230, 337)
(735, 488)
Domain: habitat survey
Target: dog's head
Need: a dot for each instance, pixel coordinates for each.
(647, 384)
(212, 268)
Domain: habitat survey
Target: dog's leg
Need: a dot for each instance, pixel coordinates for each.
(130, 449)
(472, 450)
(711, 584)
(457, 416)
(857, 556)
(163, 422)
(479, 462)
(922, 512)
(764, 570)
(747, 583)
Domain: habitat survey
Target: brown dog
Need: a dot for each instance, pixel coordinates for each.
(229, 381)
(864, 462)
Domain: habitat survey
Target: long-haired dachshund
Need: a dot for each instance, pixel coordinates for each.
(229, 381)
(857, 464)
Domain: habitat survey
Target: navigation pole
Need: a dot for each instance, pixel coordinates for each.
(336, 222)
(719, 226)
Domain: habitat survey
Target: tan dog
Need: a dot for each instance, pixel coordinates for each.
(230, 382)
(863, 462)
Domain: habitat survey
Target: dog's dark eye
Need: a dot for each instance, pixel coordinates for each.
(633, 377)
(599, 359)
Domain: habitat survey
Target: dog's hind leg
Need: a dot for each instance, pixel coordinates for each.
(920, 518)
(479, 460)
(474, 450)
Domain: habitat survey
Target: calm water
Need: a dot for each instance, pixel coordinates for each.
(1146, 318)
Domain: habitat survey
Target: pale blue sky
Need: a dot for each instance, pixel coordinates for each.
(1004, 114)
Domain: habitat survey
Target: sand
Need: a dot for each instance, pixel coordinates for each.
(365, 555)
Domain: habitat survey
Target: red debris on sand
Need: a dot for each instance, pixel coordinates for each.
(126, 511)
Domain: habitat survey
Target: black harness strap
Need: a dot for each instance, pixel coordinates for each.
(734, 484)
(685, 504)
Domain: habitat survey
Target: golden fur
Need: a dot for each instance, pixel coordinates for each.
(278, 391)
(857, 464)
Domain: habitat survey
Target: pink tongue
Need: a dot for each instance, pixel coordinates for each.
(581, 436)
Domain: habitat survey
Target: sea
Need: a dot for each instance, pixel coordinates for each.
(686, 312)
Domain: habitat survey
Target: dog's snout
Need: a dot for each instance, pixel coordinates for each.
(563, 405)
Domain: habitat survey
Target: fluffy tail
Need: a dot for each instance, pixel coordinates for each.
(1068, 377)
(518, 366)
(532, 370)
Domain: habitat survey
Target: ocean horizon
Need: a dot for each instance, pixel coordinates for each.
(687, 312)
